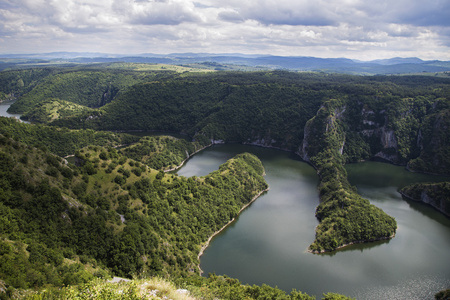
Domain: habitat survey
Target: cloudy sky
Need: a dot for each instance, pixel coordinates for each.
(361, 29)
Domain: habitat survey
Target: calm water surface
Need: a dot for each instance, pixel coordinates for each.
(268, 242)
(4, 107)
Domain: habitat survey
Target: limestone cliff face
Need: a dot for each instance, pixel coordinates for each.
(263, 142)
(383, 139)
(382, 134)
(268, 140)
(409, 131)
(389, 145)
(303, 149)
(262, 139)
(325, 123)
(388, 139)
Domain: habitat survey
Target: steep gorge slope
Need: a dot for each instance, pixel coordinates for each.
(328, 119)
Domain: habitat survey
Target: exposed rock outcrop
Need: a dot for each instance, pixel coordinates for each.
(303, 149)
(389, 145)
(436, 195)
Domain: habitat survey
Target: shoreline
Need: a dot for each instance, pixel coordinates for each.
(407, 197)
(351, 243)
(206, 244)
(187, 158)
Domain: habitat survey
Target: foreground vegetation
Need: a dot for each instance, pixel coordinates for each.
(213, 287)
(75, 226)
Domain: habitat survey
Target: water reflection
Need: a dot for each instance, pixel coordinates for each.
(360, 247)
(428, 211)
(268, 242)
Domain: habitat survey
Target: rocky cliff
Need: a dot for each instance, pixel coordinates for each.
(409, 131)
(436, 195)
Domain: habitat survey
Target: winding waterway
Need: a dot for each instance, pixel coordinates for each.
(268, 241)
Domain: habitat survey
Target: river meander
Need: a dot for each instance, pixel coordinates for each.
(268, 241)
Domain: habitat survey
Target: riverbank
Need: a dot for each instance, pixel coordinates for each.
(203, 248)
(439, 202)
(187, 158)
(352, 243)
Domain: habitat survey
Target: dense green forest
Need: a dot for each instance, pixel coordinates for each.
(61, 141)
(328, 119)
(398, 119)
(87, 86)
(110, 214)
(164, 152)
(153, 223)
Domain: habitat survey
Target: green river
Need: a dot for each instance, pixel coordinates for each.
(268, 241)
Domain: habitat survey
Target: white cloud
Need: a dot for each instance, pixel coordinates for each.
(170, 12)
(329, 28)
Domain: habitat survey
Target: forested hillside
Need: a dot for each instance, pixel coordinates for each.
(376, 117)
(61, 141)
(87, 85)
(164, 152)
(151, 222)
(345, 217)
(398, 119)
(64, 224)
(19, 82)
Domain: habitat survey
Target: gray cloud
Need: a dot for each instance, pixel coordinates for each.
(418, 12)
(331, 28)
(230, 16)
(282, 12)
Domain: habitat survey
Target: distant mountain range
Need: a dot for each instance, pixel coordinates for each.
(395, 65)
